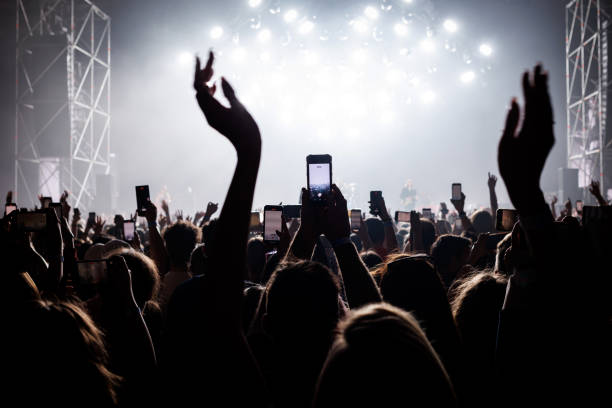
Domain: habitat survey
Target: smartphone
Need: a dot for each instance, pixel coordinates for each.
(319, 174)
(579, 205)
(142, 198)
(57, 207)
(9, 208)
(374, 196)
(292, 211)
(456, 191)
(31, 221)
(494, 239)
(129, 229)
(427, 213)
(92, 218)
(273, 221)
(506, 219)
(355, 219)
(90, 276)
(402, 216)
(46, 201)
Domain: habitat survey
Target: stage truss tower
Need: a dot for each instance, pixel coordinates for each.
(62, 115)
(589, 143)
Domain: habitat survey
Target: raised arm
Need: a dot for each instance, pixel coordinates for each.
(553, 207)
(159, 254)
(596, 192)
(492, 195)
(358, 283)
(305, 238)
(379, 207)
(465, 221)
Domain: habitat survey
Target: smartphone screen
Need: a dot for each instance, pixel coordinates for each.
(402, 216)
(579, 205)
(31, 221)
(273, 219)
(427, 213)
(46, 202)
(456, 191)
(9, 208)
(355, 220)
(319, 177)
(142, 198)
(506, 219)
(129, 229)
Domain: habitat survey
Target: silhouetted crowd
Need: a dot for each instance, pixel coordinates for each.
(449, 309)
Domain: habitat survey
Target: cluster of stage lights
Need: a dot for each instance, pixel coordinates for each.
(260, 42)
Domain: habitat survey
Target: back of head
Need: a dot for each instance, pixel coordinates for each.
(57, 358)
(449, 253)
(145, 276)
(482, 221)
(376, 230)
(371, 259)
(301, 299)
(256, 259)
(429, 234)
(380, 358)
(198, 261)
(181, 238)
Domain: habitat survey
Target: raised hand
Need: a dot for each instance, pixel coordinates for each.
(554, 200)
(165, 208)
(521, 155)
(458, 204)
(151, 212)
(9, 197)
(595, 190)
(337, 224)
(98, 225)
(65, 205)
(379, 208)
(491, 181)
(179, 215)
(211, 208)
(234, 122)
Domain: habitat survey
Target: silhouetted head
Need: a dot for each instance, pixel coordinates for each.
(256, 259)
(482, 221)
(145, 276)
(56, 358)
(197, 264)
(450, 253)
(357, 242)
(429, 234)
(180, 239)
(301, 300)
(371, 259)
(376, 230)
(381, 358)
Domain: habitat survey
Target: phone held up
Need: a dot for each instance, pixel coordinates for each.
(319, 175)
(129, 230)
(402, 216)
(355, 220)
(374, 197)
(456, 191)
(273, 221)
(142, 198)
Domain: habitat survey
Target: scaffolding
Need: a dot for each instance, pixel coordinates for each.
(62, 115)
(589, 144)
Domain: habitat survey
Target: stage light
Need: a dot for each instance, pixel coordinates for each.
(360, 25)
(239, 55)
(428, 45)
(400, 29)
(216, 32)
(450, 26)
(428, 97)
(467, 77)
(290, 16)
(254, 3)
(371, 12)
(306, 27)
(264, 35)
(360, 56)
(408, 1)
(486, 50)
(185, 58)
(264, 56)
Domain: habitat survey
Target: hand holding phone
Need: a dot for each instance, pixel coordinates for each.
(142, 198)
(319, 174)
(129, 230)
(402, 216)
(355, 220)
(273, 219)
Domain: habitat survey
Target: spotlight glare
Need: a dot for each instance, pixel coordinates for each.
(360, 56)
(400, 29)
(428, 45)
(306, 27)
(254, 3)
(467, 77)
(290, 16)
(264, 35)
(239, 54)
(371, 12)
(486, 50)
(428, 97)
(216, 32)
(450, 25)
(360, 25)
(264, 56)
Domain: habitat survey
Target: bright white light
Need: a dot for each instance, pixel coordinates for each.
(387, 117)
(254, 3)
(216, 32)
(239, 54)
(428, 45)
(371, 12)
(310, 58)
(408, 1)
(185, 58)
(428, 97)
(360, 56)
(306, 27)
(486, 50)
(360, 25)
(290, 16)
(264, 35)
(467, 77)
(400, 29)
(264, 56)
(450, 25)
(394, 76)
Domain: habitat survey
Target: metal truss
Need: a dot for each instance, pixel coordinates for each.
(589, 144)
(62, 115)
